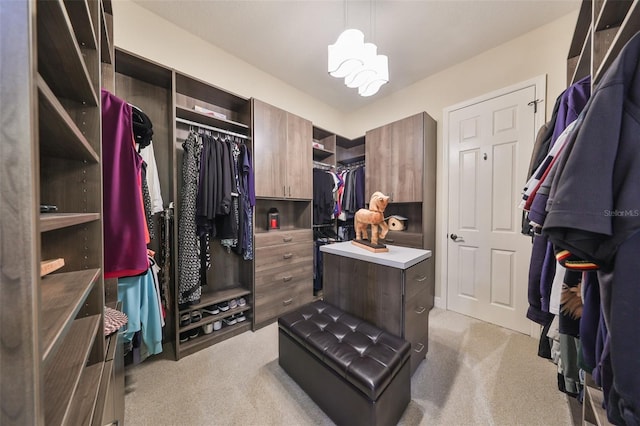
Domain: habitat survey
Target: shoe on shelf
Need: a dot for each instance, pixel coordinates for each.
(242, 301)
(196, 316)
(233, 304)
(193, 333)
(240, 317)
(207, 328)
(185, 319)
(230, 320)
(217, 325)
(211, 310)
(184, 337)
(224, 306)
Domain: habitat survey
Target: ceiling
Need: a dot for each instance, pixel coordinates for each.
(289, 39)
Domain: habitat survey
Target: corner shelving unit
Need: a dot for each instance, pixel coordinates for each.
(53, 350)
(602, 29)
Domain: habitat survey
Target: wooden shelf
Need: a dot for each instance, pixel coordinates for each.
(62, 295)
(612, 14)
(595, 400)
(321, 154)
(207, 319)
(80, 16)
(59, 135)
(60, 60)
(351, 160)
(583, 66)
(197, 89)
(206, 340)
(142, 69)
(217, 297)
(105, 384)
(630, 26)
(198, 117)
(105, 41)
(83, 405)
(63, 373)
(53, 221)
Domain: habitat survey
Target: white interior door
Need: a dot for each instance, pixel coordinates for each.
(490, 144)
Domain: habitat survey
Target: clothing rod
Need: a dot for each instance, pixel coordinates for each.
(215, 129)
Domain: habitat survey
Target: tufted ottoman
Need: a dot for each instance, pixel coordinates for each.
(357, 373)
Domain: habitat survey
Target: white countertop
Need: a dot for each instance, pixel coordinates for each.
(396, 257)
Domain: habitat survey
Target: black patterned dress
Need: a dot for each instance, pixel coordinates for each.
(189, 289)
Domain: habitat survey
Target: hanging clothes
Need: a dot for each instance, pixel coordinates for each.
(140, 304)
(125, 227)
(189, 289)
(593, 213)
(153, 181)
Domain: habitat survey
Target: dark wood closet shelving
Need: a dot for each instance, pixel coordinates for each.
(629, 26)
(80, 16)
(59, 134)
(218, 297)
(63, 373)
(208, 319)
(63, 295)
(53, 221)
(209, 120)
(142, 69)
(320, 154)
(197, 89)
(59, 54)
(84, 399)
(206, 340)
(105, 50)
(602, 29)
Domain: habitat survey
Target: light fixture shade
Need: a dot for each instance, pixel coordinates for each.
(367, 70)
(346, 54)
(381, 67)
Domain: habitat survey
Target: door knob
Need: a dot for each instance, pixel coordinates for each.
(454, 237)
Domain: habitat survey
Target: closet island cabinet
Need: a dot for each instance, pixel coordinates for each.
(56, 366)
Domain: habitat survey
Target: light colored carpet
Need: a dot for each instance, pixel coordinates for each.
(475, 374)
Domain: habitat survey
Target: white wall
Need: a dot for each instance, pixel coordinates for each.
(141, 32)
(540, 52)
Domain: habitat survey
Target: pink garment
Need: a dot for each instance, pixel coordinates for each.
(125, 249)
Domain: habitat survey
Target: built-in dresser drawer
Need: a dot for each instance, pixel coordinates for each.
(265, 239)
(415, 279)
(283, 255)
(416, 325)
(274, 302)
(273, 279)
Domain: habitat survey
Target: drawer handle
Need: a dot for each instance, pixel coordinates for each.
(421, 348)
(287, 256)
(287, 302)
(420, 310)
(287, 239)
(422, 278)
(287, 278)
(389, 240)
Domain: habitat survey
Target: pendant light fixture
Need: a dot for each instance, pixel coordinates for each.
(358, 62)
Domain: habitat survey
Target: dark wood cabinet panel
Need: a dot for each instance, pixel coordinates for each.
(269, 136)
(299, 154)
(396, 300)
(283, 151)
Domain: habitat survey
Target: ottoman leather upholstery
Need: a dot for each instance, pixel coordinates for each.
(366, 359)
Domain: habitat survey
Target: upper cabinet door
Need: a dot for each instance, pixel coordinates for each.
(395, 159)
(299, 154)
(407, 159)
(269, 147)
